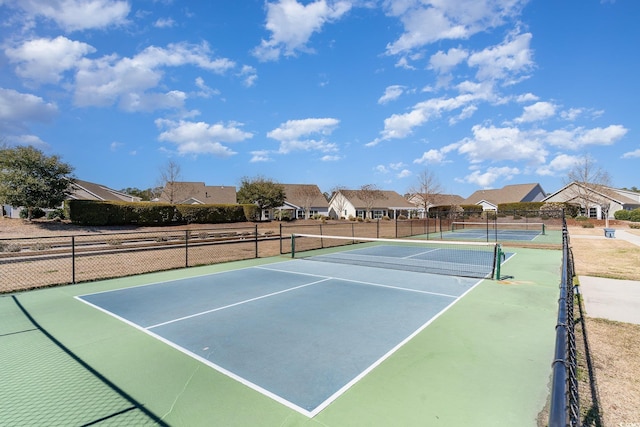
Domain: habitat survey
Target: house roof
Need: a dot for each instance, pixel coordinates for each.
(305, 195)
(622, 197)
(507, 194)
(185, 192)
(389, 199)
(439, 200)
(85, 190)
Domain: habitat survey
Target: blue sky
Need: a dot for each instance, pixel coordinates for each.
(479, 93)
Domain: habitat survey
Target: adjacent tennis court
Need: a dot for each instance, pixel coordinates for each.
(326, 340)
(496, 231)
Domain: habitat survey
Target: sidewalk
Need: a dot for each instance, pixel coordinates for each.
(612, 299)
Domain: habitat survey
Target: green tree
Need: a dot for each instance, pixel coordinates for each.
(145, 195)
(31, 179)
(261, 191)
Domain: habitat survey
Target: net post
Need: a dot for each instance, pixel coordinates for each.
(544, 229)
(293, 245)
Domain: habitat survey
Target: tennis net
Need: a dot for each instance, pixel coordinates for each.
(468, 259)
(500, 227)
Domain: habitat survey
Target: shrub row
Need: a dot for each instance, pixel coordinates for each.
(633, 216)
(88, 212)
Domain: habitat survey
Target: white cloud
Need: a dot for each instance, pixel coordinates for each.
(330, 158)
(164, 23)
(578, 138)
(293, 135)
(74, 15)
(260, 156)
(45, 60)
(442, 62)
(508, 143)
(561, 163)
(293, 129)
(506, 61)
(404, 173)
(249, 74)
(431, 156)
(173, 99)
(527, 97)
(381, 169)
(571, 114)
(401, 125)
(632, 154)
(18, 109)
(536, 112)
(205, 91)
(200, 137)
(27, 140)
(429, 21)
(391, 93)
(107, 80)
(292, 24)
(487, 178)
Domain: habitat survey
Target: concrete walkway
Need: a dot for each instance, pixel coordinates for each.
(612, 299)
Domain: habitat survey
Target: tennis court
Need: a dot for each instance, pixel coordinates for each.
(308, 342)
(499, 231)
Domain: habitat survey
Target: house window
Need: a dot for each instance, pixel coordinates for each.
(360, 213)
(378, 214)
(593, 212)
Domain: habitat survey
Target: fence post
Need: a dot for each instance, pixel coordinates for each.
(73, 259)
(186, 248)
(255, 234)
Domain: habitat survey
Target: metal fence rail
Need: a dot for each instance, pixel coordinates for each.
(28, 263)
(35, 262)
(564, 407)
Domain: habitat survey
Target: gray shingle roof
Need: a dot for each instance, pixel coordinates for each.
(198, 192)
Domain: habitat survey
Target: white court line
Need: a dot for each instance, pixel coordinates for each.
(235, 304)
(421, 253)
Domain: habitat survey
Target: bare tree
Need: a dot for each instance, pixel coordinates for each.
(426, 190)
(306, 195)
(370, 194)
(590, 183)
(339, 200)
(170, 174)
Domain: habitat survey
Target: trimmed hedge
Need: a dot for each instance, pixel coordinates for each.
(633, 216)
(88, 212)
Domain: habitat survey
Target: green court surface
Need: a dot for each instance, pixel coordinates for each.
(486, 361)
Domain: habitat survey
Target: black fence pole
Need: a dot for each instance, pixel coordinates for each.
(255, 237)
(73, 259)
(186, 248)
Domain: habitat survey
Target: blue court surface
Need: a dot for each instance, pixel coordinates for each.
(492, 235)
(301, 332)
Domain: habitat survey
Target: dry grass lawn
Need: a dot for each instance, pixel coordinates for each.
(613, 345)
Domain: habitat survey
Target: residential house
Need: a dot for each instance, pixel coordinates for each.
(83, 190)
(197, 193)
(596, 201)
(356, 204)
(435, 201)
(302, 201)
(490, 199)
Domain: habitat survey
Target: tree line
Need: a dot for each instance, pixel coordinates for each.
(33, 180)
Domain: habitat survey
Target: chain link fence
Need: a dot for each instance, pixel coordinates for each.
(35, 262)
(28, 263)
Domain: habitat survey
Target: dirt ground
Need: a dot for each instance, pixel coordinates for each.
(613, 346)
